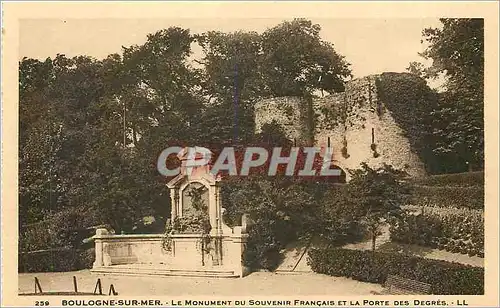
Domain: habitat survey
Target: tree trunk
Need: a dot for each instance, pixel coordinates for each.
(374, 238)
(134, 135)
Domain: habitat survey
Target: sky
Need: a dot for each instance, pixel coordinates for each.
(371, 46)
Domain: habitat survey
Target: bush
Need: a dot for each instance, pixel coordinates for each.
(459, 197)
(262, 249)
(340, 217)
(453, 230)
(446, 278)
(86, 258)
(285, 210)
(37, 236)
(282, 210)
(63, 229)
(56, 244)
(466, 179)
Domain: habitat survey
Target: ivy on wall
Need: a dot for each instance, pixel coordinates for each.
(345, 111)
(411, 103)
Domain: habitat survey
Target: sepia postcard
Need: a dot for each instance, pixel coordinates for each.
(250, 154)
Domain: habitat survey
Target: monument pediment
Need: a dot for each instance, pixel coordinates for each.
(205, 178)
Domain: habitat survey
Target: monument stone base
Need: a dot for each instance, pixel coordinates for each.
(146, 254)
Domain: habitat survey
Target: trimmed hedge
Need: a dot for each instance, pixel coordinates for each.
(466, 179)
(446, 278)
(56, 260)
(454, 230)
(51, 260)
(458, 197)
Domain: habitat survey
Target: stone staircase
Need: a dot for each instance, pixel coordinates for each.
(295, 258)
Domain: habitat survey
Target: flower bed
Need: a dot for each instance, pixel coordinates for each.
(450, 229)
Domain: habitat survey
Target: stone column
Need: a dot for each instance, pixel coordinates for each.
(99, 247)
(219, 209)
(218, 232)
(236, 245)
(212, 210)
(174, 199)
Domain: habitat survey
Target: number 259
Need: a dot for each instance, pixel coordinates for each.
(42, 303)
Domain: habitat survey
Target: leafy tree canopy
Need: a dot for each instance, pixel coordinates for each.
(457, 51)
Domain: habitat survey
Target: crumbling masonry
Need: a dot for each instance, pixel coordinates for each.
(355, 123)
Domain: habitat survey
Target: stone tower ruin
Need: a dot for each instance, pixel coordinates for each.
(355, 123)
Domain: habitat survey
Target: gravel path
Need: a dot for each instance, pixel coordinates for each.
(259, 283)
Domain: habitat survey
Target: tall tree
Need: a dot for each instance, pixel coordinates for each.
(457, 51)
(296, 60)
(417, 68)
(232, 82)
(232, 63)
(56, 113)
(161, 88)
(151, 100)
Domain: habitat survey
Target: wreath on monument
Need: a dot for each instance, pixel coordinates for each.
(197, 222)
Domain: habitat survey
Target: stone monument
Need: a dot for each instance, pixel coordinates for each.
(197, 242)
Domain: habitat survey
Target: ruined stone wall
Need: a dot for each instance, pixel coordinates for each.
(353, 120)
(288, 112)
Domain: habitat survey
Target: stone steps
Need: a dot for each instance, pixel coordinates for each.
(132, 270)
(295, 257)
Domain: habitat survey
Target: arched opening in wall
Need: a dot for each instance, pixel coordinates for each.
(341, 179)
